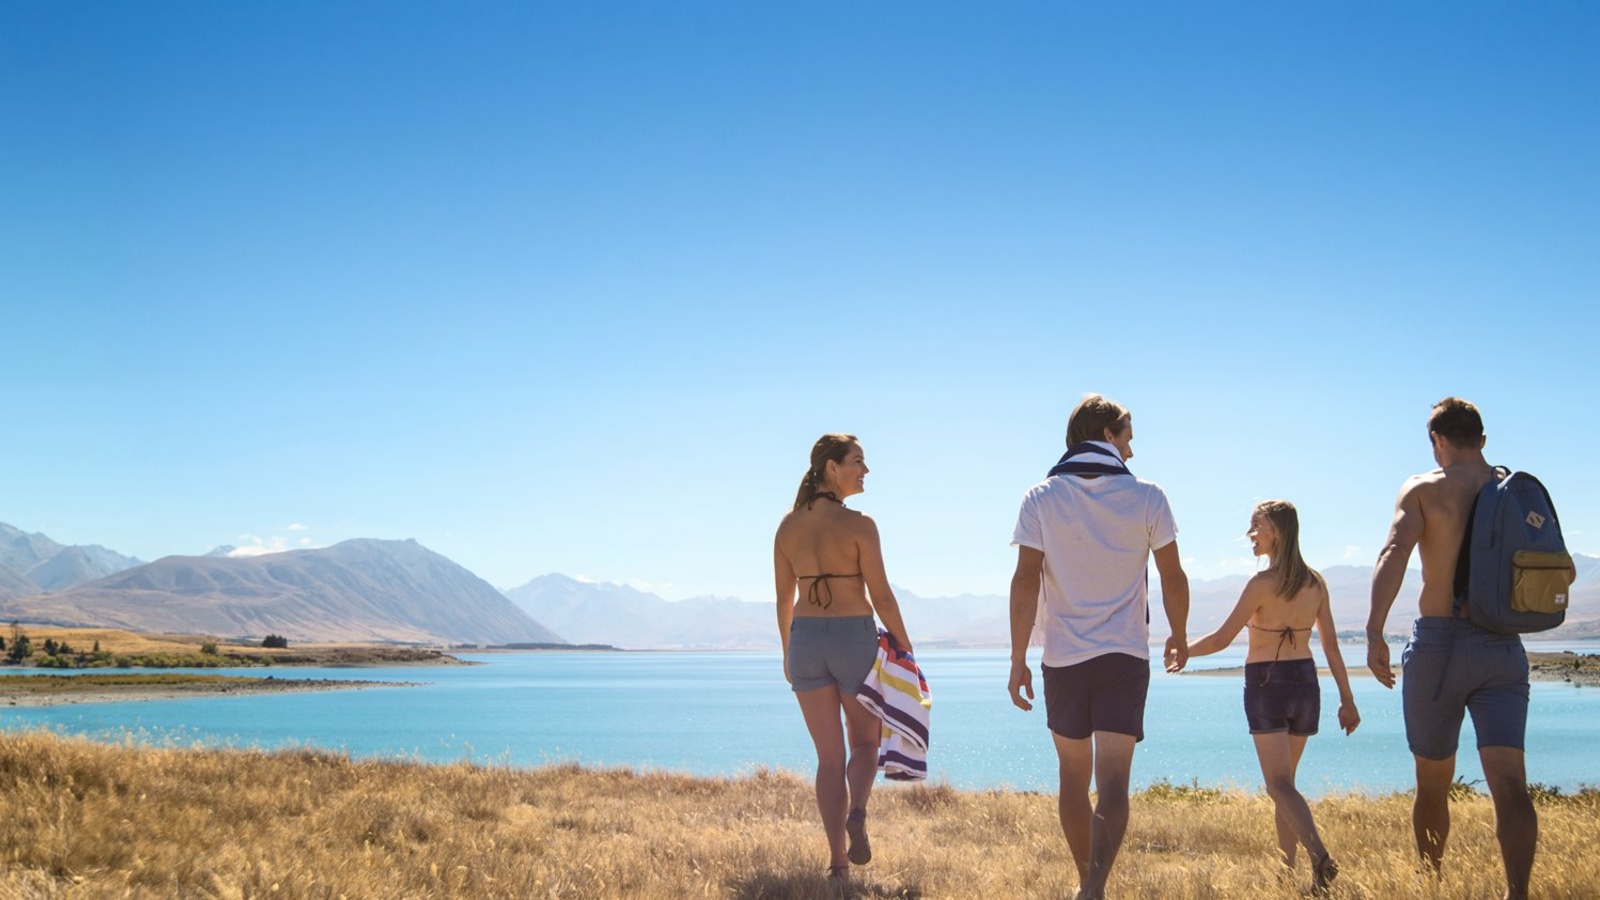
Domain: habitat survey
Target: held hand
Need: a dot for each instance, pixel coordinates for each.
(1021, 683)
(1348, 717)
(1176, 655)
(1378, 662)
(786, 668)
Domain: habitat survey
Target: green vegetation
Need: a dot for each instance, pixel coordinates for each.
(1167, 792)
(20, 647)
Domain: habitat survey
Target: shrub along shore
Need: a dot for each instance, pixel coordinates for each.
(95, 820)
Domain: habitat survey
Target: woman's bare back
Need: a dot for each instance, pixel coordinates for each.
(823, 547)
(1281, 629)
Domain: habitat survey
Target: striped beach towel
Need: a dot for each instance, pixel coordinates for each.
(1090, 458)
(896, 692)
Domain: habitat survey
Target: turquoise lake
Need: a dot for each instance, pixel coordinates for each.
(727, 713)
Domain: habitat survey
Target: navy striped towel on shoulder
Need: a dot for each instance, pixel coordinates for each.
(1090, 458)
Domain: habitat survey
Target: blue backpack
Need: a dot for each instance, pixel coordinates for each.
(1514, 574)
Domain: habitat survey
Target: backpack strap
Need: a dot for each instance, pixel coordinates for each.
(1464, 575)
(1464, 558)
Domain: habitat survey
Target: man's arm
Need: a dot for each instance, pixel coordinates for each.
(1025, 582)
(1175, 599)
(1389, 574)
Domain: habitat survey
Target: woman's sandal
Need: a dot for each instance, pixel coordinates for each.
(1323, 871)
(839, 873)
(855, 826)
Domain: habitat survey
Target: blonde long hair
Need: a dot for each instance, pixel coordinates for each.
(1292, 572)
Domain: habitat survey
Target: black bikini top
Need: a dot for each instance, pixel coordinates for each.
(819, 583)
(814, 595)
(1284, 634)
(823, 495)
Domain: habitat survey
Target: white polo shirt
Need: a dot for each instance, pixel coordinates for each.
(1096, 535)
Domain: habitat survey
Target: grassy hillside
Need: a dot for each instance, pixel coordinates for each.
(91, 820)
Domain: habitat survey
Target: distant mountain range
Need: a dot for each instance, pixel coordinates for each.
(590, 612)
(399, 591)
(359, 590)
(30, 563)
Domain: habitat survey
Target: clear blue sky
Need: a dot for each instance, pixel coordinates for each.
(573, 287)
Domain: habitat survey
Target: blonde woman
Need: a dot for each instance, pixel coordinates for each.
(830, 581)
(1282, 700)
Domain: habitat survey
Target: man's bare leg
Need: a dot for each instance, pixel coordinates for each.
(1113, 761)
(1430, 811)
(1516, 823)
(1077, 767)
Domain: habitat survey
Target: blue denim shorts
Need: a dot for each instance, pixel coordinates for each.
(1487, 675)
(828, 650)
(1282, 696)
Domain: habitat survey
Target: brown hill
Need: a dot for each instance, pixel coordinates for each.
(359, 590)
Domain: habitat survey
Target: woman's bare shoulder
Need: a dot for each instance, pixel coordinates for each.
(789, 522)
(861, 522)
(1259, 582)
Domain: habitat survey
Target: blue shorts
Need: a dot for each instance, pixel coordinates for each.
(1487, 675)
(829, 650)
(1106, 693)
(1282, 696)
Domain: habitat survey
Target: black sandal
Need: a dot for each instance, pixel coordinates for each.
(1323, 872)
(855, 825)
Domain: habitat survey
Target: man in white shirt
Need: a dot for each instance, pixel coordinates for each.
(1084, 539)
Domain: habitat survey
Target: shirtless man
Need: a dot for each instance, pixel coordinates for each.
(1452, 667)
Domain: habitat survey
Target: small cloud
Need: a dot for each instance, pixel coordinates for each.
(1352, 552)
(258, 546)
(305, 542)
(297, 526)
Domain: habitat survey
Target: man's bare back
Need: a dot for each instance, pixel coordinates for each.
(1443, 499)
(1431, 514)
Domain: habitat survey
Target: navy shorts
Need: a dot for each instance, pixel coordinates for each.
(828, 650)
(1106, 693)
(1487, 675)
(1282, 696)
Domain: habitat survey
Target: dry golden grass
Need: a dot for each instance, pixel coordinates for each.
(89, 820)
(111, 640)
(133, 644)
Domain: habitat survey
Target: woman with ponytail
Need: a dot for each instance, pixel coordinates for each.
(830, 582)
(1282, 700)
